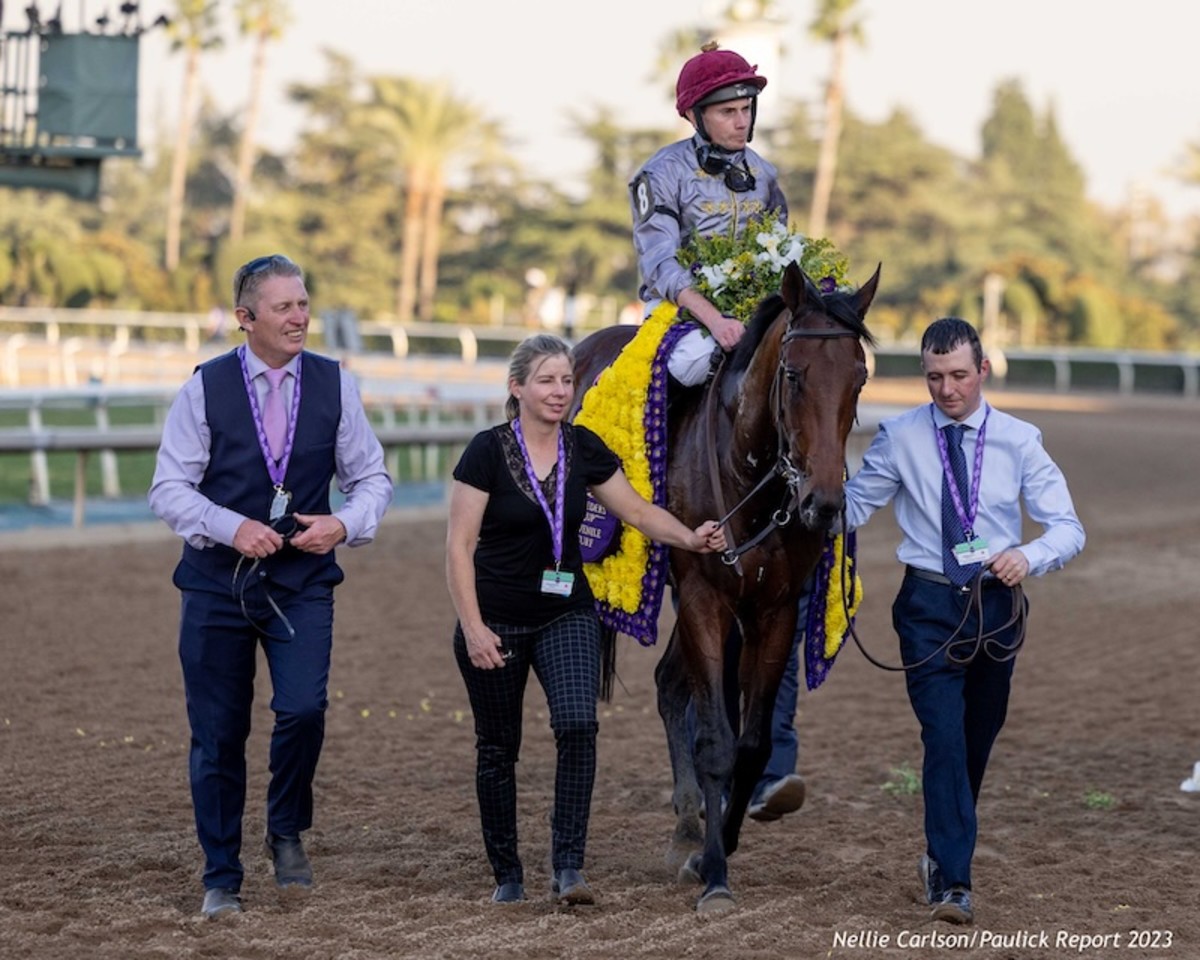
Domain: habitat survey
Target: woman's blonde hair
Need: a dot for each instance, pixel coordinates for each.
(527, 355)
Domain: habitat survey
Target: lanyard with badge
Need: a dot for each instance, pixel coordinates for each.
(276, 470)
(973, 549)
(555, 582)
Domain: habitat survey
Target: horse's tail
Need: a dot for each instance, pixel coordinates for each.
(608, 662)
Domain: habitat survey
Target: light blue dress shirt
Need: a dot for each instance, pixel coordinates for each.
(184, 453)
(903, 465)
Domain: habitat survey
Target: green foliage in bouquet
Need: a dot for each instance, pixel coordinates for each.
(736, 273)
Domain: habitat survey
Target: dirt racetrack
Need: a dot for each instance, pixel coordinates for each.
(1086, 838)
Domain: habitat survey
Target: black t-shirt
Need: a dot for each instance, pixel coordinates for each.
(515, 542)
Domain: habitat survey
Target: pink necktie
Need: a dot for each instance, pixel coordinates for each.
(274, 416)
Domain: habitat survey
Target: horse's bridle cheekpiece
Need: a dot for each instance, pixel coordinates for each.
(783, 467)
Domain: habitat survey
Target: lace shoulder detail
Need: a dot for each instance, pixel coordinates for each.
(515, 462)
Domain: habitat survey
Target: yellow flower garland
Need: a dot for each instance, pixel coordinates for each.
(613, 409)
(836, 624)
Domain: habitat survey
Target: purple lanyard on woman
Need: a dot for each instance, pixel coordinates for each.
(556, 518)
(276, 471)
(965, 517)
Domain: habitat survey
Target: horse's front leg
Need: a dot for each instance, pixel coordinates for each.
(674, 695)
(765, 653)
(702, 629)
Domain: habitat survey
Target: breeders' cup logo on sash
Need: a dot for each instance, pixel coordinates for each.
(598, 534)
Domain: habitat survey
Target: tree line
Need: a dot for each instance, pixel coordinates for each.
(404, 203)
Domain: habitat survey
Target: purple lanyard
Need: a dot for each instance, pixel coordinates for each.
(555, 518)
(276, 471)
(967, 519)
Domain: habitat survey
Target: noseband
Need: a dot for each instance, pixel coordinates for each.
(783, 467)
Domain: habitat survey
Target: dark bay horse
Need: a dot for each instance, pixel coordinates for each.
(765, 445)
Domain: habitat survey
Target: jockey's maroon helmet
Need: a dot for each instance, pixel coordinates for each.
(715, 76)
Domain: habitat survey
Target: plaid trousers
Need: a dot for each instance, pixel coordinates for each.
(565, 656)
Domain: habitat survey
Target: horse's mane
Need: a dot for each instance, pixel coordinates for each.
(760, 322)
(838, 306)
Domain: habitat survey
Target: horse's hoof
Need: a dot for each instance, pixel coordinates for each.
(690, 871)
(716, 900)
(680, 850)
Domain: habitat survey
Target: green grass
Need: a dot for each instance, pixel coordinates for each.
(135, 470)
(905, 782)
(1099, 800)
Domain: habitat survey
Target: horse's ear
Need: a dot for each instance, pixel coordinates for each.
(866, 293)
(792, 286)
(797, 287)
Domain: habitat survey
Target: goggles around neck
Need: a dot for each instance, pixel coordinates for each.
(738, 179)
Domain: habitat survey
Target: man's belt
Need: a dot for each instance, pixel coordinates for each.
(931, 577)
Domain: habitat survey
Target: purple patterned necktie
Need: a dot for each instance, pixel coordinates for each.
(952, 532)
(274, 416)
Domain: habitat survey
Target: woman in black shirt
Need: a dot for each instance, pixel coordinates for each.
(515, 574)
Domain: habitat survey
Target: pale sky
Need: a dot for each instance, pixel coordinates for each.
(1120, 77)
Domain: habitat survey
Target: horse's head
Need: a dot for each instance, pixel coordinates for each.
(822, 369)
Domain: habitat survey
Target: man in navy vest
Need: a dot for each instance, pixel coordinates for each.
(249, 449)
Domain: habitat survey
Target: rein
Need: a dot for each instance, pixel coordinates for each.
(783, 466)
(959, 649)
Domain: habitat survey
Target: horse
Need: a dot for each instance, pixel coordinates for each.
(769, 436)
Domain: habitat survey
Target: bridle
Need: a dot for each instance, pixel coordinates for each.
(793, 477)
(287, 527)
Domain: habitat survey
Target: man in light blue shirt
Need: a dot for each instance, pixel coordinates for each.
(978, 498)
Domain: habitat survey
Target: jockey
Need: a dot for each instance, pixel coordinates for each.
(712, 182)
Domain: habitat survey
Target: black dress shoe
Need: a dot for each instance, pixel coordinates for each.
(569, 887)
(292, 868)
(508, 893)
(220, 903)
(954, 906)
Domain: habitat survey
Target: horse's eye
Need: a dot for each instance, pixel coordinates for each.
(793, 376)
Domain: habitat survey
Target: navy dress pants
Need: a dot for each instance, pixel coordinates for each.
(960, 708)
(218, 650)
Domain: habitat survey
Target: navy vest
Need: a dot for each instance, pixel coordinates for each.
(237, 475)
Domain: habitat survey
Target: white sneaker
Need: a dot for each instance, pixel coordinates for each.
(1192, 783)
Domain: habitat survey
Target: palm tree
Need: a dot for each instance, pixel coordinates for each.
(263, 21)
(835, 23)
(193, 30)
(428, 127)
